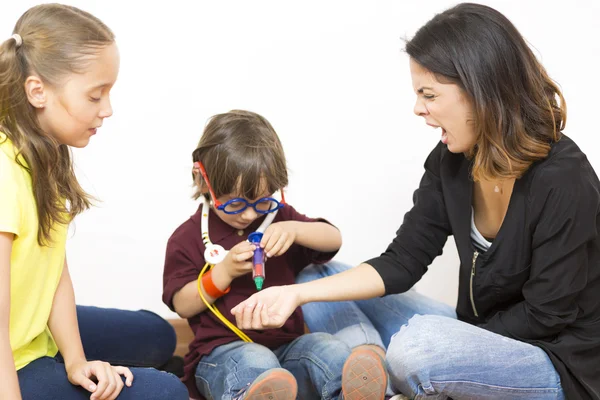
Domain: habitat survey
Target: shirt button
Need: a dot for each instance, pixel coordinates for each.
(240, 232)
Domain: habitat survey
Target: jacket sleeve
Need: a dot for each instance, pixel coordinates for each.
(422, 235)
(564, 207)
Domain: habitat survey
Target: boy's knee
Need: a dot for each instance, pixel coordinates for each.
(324, 347)
(322, 341)
(255, 356)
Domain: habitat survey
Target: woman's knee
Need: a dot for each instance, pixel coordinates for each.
(420, 341)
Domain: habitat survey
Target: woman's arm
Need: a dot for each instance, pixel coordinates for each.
(359, 283)
(9, 389)
(270, 308)
(419, 240)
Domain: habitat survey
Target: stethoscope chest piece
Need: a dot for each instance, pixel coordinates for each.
(214, 253)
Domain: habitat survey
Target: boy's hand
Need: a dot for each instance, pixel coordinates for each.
(238, 261)
(278, 238)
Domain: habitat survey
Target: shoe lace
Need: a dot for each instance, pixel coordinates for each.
(240, 394)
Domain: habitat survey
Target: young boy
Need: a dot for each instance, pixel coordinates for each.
(239, 168)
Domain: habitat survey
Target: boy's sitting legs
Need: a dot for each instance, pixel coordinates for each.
(275, 384)
(238, 370)
(320, 363)
(317, 361)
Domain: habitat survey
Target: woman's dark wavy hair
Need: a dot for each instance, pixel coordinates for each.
(519, 111)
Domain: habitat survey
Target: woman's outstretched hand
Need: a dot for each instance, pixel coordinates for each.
(269, 308)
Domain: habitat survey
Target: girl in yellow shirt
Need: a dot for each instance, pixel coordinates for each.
(56, 73)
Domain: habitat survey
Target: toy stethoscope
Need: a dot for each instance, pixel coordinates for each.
(214, 254)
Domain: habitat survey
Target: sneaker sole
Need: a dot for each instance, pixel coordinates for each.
(364, 376)
(275, 384)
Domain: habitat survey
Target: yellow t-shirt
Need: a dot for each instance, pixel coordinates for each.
(34, 270)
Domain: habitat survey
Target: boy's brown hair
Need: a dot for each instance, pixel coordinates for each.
(242, 155)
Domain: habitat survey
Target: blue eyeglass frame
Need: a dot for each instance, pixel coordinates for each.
(223, 207)
(220, 206)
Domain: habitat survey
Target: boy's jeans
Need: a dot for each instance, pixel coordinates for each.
(430, 354)
(316, 361)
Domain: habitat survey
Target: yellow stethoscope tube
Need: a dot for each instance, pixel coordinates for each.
(215, 311)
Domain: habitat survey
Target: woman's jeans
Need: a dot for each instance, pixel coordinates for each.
(128, 338)
(430, 354)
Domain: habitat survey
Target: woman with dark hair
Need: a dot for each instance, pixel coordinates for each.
(522, 202)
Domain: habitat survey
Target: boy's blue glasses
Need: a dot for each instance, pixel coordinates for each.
(265, 205)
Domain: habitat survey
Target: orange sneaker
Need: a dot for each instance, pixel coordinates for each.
(274, 384)
(364, 376)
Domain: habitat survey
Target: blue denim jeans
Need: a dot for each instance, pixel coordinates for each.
(430, 354)
(316, 361)
(130, 338)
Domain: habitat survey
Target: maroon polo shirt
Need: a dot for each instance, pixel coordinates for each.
(185, 259)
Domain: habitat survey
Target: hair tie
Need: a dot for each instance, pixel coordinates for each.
(18, 39)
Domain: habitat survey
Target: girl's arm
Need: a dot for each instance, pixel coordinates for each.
(65, 329)
(63, 321)
(9, 389)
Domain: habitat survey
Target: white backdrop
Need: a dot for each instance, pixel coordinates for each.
(333, 81)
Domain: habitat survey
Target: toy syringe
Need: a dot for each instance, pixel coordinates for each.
(258, 260)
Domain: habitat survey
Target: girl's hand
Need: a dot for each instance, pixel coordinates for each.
(269, 308)
(109, 383)
(278, 238)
